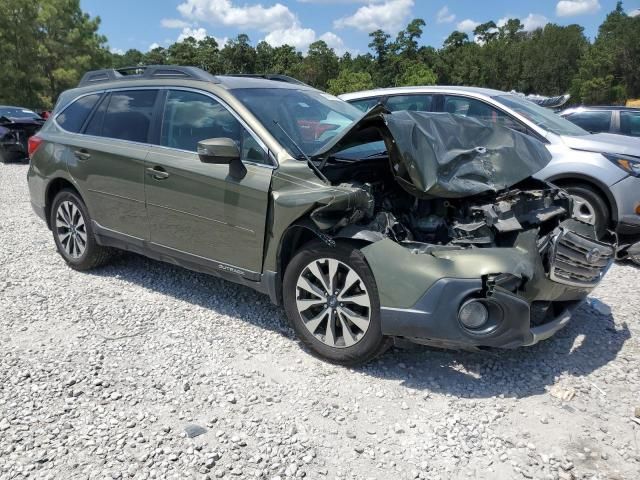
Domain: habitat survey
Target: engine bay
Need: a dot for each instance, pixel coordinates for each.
(490, 219)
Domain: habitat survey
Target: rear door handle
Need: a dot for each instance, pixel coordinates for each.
(158, 173)
(82, 154)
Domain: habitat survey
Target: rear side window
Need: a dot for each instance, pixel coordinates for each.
(74, 116)
(127, 117)
(630, 123)
(593, 122)
(415, 103)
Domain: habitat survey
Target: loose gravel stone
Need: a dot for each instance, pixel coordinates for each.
(104, 374)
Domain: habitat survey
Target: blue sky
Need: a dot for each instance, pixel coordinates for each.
(343, 24)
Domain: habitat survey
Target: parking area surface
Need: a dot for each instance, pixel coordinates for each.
(145, 370)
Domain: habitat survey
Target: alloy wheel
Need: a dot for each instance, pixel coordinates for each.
(333, 302)
(71, 229)
(583, 210)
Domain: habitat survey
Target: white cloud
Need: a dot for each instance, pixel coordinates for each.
(173, 23)
(197, 33)
(334, 41)
(534, 21)
(389, 16)
(295, 36)
(224, 12)
(301, 38)
(117, 51)
(467, 25)
(570, 8)
(634, 13)
(445, 16)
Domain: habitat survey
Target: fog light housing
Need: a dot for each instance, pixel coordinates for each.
(473, 314)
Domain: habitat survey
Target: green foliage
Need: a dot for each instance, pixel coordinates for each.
(46, 46)
(349, 81)
(417, 74)
(610, 70)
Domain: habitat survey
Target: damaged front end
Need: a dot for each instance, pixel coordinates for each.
(466, 248)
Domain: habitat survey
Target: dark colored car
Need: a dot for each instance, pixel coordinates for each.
(365, 226)
(620, 120)
(16, 126)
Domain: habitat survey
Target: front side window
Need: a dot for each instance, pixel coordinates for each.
(73, 117)
(413, 103)
(630, 123)
(128, 116)
(190, 117)
(540, 116)
(593, 122)
(471, 107)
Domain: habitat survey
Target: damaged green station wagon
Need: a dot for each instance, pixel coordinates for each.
(424, 226)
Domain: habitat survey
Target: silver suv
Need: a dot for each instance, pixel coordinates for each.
(601, 171)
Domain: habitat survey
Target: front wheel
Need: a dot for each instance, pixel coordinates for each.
(331, 300)
(589, 207)
(73, 234)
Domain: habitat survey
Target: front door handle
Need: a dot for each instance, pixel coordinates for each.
(158, 173)
(82, 154)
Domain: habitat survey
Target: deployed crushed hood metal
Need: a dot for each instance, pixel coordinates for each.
(445, 155)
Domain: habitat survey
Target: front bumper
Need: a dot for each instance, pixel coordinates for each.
(626, 193)
(433, 321)
(421, 293)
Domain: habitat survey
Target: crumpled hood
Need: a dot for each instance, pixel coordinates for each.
(445, 155)
(604, 143)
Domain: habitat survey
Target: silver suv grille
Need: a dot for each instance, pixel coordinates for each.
(578, 261)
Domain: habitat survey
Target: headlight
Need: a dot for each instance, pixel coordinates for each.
(626, 162)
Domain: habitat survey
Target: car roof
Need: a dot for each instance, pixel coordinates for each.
(584, 108)
(158, 74)
(421, 89)
(19, 108)
(232, 82)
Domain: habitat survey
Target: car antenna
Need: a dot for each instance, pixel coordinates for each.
(306, 157)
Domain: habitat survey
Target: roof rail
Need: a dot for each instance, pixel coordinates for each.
(270, 76)
(145, 72)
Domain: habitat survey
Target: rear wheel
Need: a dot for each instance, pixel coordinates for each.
(73, 234)
(589, 207)
(3, 156)
(331, 300)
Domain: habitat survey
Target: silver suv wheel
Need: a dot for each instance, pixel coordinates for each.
(583, 210)
(71, 229)
(333, 302)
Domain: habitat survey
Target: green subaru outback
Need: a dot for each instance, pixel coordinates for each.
(365, 227)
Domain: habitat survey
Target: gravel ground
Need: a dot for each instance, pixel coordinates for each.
(145, 370)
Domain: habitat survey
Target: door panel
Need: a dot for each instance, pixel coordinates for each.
(199, 209)
(112, 174)
(109, 160)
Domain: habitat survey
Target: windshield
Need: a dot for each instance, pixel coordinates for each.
(309, 117)
(13, 112)
(540, 116)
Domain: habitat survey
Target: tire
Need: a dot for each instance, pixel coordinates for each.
(3, 157)
(356, 336)
(73, 233)
(590, 207)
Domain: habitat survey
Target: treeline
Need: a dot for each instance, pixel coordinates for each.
(46, 45)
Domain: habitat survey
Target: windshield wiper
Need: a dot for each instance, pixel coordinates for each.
(378, 154)
(304, 155)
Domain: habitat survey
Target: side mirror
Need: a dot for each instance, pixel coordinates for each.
(222, 151)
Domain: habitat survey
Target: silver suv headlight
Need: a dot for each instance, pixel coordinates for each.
(628, 163)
